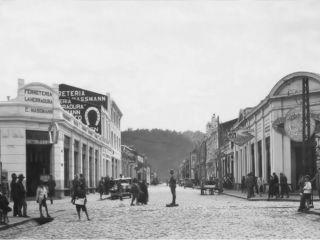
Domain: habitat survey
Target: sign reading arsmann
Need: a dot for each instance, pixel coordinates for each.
(83, 105)
(81, 95)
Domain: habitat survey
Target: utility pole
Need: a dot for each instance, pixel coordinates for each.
(305, 126)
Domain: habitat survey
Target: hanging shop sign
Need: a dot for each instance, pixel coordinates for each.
(291, 124)
(240, 136)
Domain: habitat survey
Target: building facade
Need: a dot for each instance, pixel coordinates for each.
(39, 137)
(268, 137)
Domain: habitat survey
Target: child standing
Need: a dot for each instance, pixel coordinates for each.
(41, 198)
(306, 195)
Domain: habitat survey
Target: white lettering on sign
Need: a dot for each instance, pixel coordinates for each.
(38, 96)
(38, 110)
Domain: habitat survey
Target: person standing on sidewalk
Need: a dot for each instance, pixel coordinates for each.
(284, 185)
(306, 195)
(276, 184)
(13, 194)
(41, 198)
(172, 185)
(21, 194)
(51, 187)
(260, 186)
(271, 187)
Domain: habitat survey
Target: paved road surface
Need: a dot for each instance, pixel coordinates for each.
(197, 216)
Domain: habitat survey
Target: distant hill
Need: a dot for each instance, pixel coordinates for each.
(194, 137)
(164, 149)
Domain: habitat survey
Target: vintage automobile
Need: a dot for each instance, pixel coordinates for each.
(126, 188)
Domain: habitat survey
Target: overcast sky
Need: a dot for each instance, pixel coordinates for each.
(167, 64)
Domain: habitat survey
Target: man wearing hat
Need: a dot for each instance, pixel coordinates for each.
(21, 194)
(13, 193)
(172, 185)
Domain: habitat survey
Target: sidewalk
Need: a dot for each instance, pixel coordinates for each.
(55, 209)
(293, 197)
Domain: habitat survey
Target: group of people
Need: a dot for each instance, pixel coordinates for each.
(139, 191)
(104, 185)
(251, 184)
(17, 193)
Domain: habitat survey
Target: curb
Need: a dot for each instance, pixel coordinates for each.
(266, 200)
(5, 227)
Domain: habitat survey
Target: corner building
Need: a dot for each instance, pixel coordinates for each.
(275, 125)
(38, 137)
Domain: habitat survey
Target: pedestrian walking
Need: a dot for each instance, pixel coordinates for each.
(13, 194)
(284, 185)
(51, 187)
(101, 187)
(41, 198)
(144, 195)
(136, 191)
(21, 195)
(306, 195)
(79, 197)
(316, 179)
(172, 185)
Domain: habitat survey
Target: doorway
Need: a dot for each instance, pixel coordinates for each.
(296, 163)
(38, 163)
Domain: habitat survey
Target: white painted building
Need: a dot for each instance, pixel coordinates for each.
(274, 148)
(38, 137)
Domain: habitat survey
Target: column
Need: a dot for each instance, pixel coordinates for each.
(57, 168)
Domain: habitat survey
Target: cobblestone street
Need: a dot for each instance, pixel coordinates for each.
(217, 216)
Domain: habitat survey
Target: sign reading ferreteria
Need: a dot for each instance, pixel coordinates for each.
(41, 100)
(83, 105)
(292, 126)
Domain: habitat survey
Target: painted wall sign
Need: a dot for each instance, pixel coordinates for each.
(83, 105)
(41, 100)
(293, 124)
(240, 136)
(88, 114)
(81, 95)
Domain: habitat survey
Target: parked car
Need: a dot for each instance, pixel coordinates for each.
(126, 186)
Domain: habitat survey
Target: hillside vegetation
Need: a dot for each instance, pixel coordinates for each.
(164, 149)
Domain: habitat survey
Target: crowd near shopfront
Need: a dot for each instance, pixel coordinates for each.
(264, 140)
